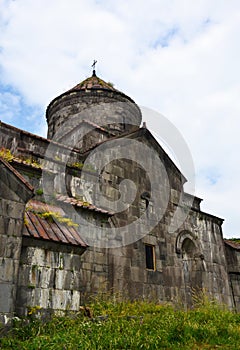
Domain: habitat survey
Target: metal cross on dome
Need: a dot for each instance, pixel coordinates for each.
(93, 66)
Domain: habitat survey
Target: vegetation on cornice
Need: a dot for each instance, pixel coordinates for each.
(31, 162)
(235, 240)
(52, 216)
(79, 165)
(7, 155)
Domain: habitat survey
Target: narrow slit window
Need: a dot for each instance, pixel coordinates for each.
(150, 256)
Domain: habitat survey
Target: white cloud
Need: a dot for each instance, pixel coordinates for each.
(9, 105)
(178, 57)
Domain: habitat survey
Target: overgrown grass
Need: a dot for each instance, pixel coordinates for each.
(114, 324)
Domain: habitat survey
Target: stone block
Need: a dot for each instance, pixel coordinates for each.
(154, 277)
(69, 280)
(135, 289)
(85, 276)
(159, 265)
(6, 297)
(67, 261)
(3, 224)
(41, 298)
(25, 275)
(99, 268)
(100, 259)
(138, 260)
(87, 266)
(138, 274)
(15, 227)
(150, 239)
(11, 209)
(77, 283)
(3, 244)
(76, 263)
(174, 196)
(65, 300)
(25, 299)
(76, 298)
(47, 277)
(35, 256)
(7, 271)
(60, 276)
(13, 247)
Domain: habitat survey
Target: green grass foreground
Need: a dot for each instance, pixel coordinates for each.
(131, 325)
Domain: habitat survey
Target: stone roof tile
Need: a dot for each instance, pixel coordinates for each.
(40, 227)
(232, 243)
(93, 83)
(82, 204)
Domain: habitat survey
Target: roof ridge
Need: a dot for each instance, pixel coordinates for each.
(45, 139)
(94, 82)
(82, 204)
(17, 174)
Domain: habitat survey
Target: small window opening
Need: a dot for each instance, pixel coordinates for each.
(150, 256)
(146, 197)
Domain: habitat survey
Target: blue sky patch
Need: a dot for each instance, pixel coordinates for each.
(164, 40)
(15, 111)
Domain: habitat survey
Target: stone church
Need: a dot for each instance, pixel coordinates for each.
(90, 209)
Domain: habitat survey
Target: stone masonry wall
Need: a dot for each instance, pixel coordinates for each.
(55, 278)
(11, 220)
(49, 278)
(14, 195)
(187, 260)
(201, 259)
(32, 148)
(233, 262)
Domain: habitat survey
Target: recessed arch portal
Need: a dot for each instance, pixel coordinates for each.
(186, 243)
(189, 251)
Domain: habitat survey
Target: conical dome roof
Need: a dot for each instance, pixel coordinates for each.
(93, 83)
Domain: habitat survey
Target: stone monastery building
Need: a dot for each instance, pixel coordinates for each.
(69, 230)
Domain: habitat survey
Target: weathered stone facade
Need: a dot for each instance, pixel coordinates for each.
(55, 259)
(233, 263)
(15, 192)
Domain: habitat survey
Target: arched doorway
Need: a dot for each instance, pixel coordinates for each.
(189, 252)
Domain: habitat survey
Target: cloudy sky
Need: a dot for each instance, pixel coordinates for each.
(178, 57)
